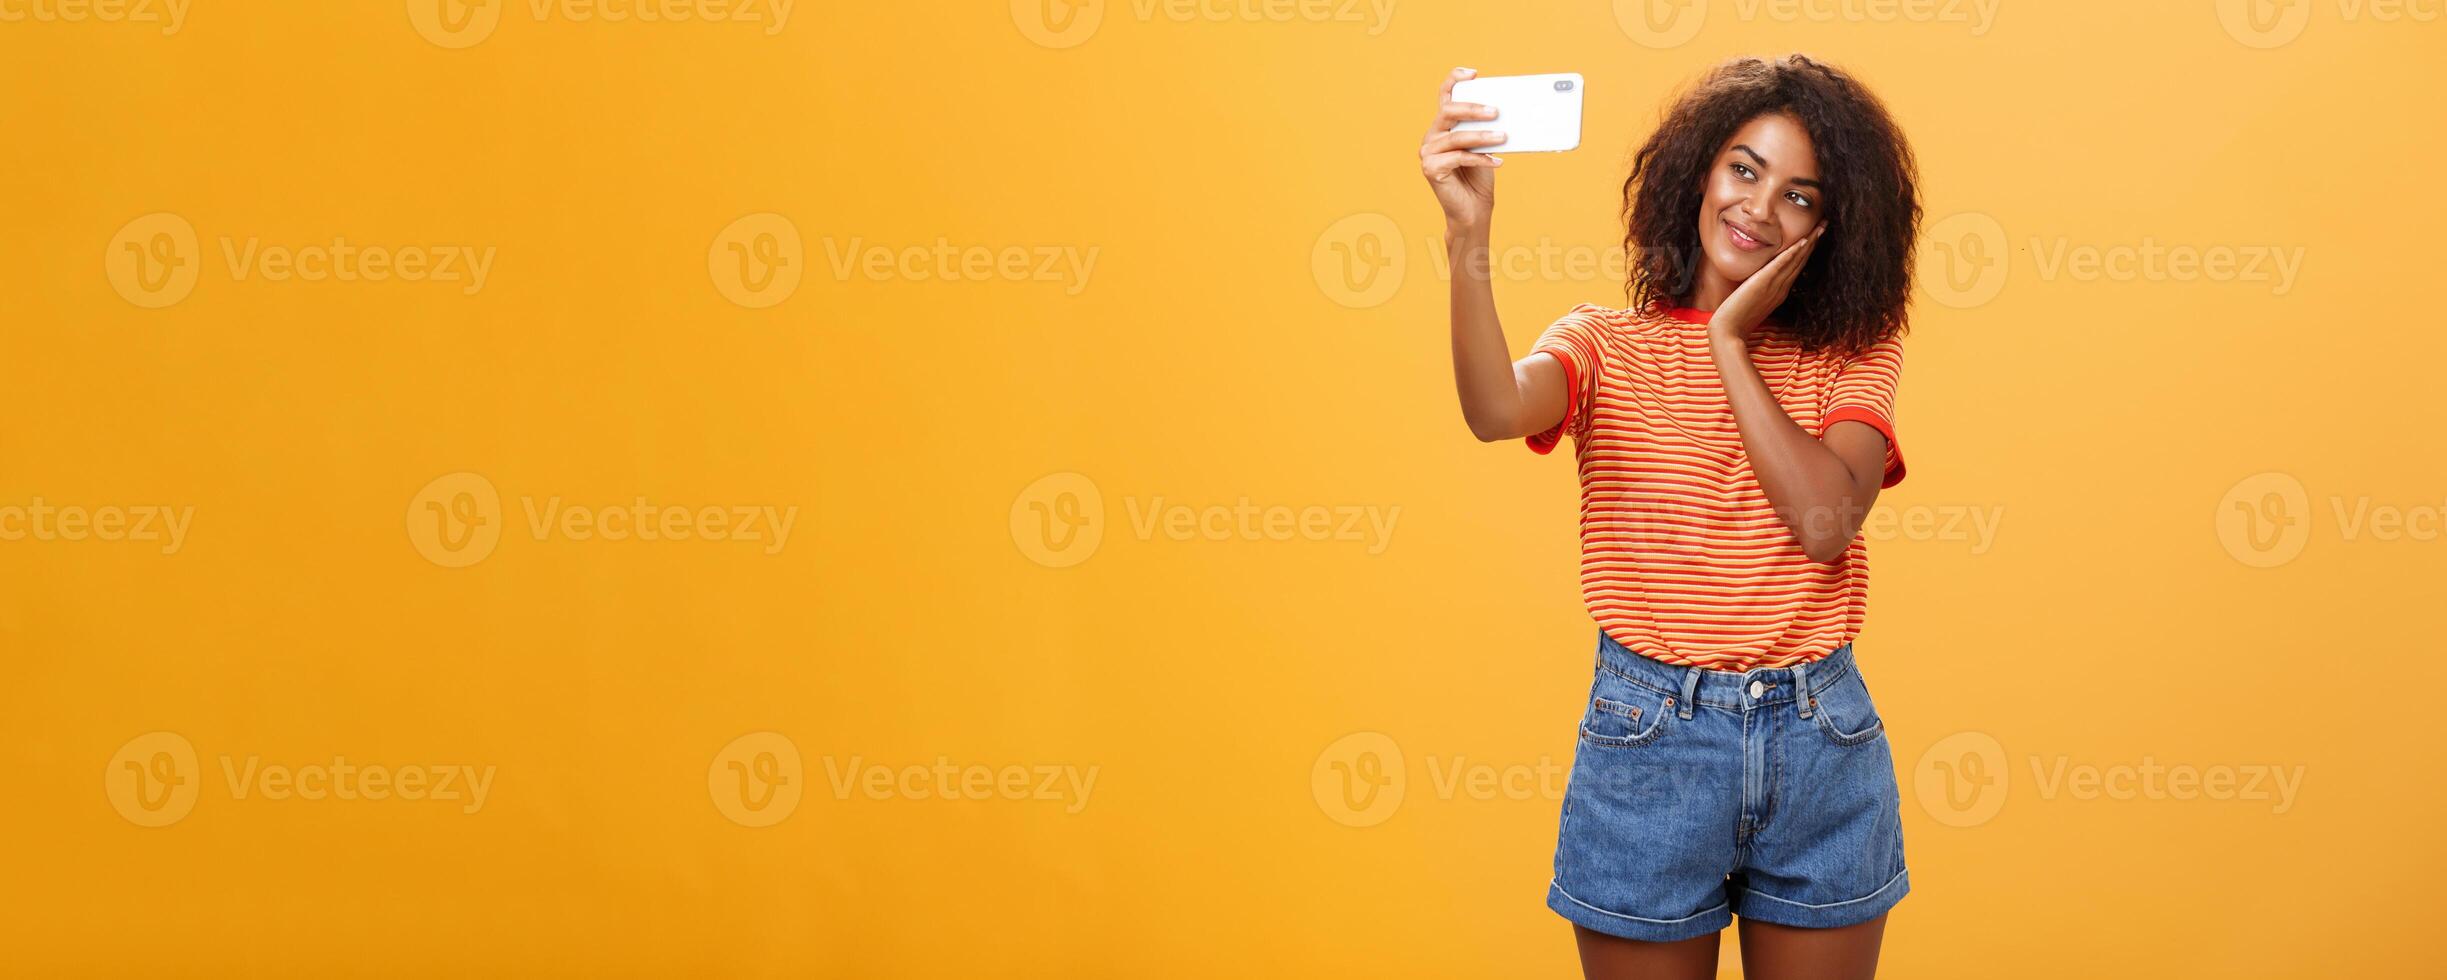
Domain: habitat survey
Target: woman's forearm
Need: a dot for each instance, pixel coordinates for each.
(1483, 373)
(1820, 496)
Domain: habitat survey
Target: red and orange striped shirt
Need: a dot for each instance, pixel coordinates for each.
(1681, 558)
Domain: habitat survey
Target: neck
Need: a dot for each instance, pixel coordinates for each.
(1711, 291)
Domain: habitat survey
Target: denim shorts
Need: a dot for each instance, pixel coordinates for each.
(1698, 795)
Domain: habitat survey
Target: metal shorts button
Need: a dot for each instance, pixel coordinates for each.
(1757, 689)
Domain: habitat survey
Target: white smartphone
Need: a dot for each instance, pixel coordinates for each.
(1536, 113)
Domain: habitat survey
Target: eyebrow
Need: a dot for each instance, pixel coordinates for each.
(1754, 154)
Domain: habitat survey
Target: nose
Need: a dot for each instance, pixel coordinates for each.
(1757, 203)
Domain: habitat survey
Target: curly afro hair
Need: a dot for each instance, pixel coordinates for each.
(1852, 294)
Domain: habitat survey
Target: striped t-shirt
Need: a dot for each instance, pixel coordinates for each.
(1681, 557)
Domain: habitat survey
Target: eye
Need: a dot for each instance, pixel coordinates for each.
(1799, 198)
(1743, 171)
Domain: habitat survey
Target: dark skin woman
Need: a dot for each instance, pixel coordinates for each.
(1777, 214)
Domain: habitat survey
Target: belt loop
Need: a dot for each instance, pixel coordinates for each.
(1690, 690)
(1801, 688)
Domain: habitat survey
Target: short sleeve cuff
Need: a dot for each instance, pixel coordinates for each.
(1543, 443)
(1894, 449)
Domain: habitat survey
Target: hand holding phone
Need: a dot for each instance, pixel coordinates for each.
(1462, 177)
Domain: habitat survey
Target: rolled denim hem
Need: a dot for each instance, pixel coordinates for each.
(1754, 904)
(1624, 926)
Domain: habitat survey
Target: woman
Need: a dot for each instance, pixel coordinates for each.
(1732, 428)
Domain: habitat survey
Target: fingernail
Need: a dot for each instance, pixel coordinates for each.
(1499, 161)
(1467, 71)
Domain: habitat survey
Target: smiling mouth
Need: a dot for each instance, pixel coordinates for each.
(1742, 240)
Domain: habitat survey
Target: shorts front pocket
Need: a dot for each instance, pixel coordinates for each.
(1622, 714)
(1844, 711)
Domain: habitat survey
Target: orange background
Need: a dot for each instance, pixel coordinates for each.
(1233, 339)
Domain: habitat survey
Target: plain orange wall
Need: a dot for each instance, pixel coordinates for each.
(1097, 359)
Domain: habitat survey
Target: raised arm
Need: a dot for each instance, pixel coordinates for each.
(1500, 398)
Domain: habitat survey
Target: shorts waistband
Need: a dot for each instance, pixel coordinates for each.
(1724, 688)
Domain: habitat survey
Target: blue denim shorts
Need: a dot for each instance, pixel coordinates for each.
(1698, 795)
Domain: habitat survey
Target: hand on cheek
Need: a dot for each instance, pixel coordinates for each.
(1765, 290)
